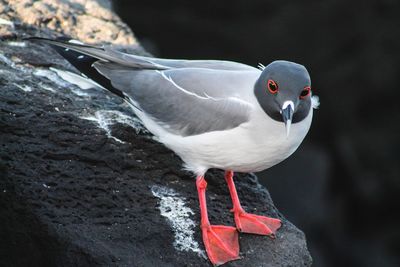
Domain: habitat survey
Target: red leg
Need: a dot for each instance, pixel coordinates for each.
(249, 223)
(221, 242)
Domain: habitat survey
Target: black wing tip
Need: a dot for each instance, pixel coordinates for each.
(60, 41)
(44, 39)
(81, 61)
(34, 39)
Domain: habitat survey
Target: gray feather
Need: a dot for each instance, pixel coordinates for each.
(187, 97)
(206, 64)
(105, 53)
(187, 101)
(110, 54)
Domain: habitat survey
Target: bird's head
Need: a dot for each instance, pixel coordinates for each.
(284, 92)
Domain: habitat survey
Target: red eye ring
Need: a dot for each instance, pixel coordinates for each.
(306, 92)
(272, 86)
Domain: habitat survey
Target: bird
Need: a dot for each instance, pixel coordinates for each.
(212, 114)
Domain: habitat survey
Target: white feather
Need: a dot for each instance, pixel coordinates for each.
(253, 146)
(73, 41)
(168, 78)
(315, 102)
(260, 66)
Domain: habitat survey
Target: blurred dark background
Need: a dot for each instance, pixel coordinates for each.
(342, 186)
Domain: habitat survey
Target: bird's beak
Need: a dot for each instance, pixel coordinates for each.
(287, 114)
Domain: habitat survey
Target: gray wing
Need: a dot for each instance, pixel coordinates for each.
(186, 97)
(110, 54)
(187, 101)
(161, 63)
(207, 64)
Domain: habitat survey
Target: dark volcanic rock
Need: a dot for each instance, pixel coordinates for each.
(347, 170)
(83, 184)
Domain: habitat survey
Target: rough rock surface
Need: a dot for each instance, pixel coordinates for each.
(88, 21)
(83, 184)
(348, 168)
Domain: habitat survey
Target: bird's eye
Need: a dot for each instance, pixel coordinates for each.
(306, 92)
(272, 87)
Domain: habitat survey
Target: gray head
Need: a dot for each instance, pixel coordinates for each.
(284, 92)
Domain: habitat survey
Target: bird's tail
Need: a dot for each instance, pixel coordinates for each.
(104, 53)
(83, 56)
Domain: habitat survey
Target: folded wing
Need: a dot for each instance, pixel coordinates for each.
(185, 97)
(183, 101)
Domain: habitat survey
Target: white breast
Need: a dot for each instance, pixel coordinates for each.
(253, 146)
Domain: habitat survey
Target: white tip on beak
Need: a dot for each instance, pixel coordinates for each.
(288, 123)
